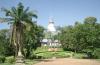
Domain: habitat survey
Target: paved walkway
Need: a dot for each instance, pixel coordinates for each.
(69, 61)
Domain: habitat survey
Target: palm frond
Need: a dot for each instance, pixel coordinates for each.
(20, 5)
(20, 10)
(5, 20)
(14, 13)
(26, 10)
(6, 11)
(32, 14)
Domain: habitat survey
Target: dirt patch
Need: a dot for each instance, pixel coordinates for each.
(69, 61)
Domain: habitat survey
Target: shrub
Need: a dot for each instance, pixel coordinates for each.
(44, 55)
(62, 55)
(80, 55)
(96, 53)
(10, 59)
(2, 59)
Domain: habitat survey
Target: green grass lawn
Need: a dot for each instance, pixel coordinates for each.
(45, 54)
(30, 62)
(6, 64)
(27, 62)
(98, 59)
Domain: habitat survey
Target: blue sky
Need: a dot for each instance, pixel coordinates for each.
(63, 12)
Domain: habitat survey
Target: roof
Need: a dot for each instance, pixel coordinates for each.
(44, 40)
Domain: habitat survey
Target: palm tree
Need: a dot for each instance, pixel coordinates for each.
(19, 18)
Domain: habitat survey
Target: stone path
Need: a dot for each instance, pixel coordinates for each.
(69, 61)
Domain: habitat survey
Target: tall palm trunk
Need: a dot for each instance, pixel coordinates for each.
(19, 38)
(14, 39)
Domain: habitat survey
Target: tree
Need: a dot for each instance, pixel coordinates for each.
(3, 41)
(65, 37)
(5, 47)
(19, 18)
(92, 36)
(32, 39)
(90, 20)
(81, 36)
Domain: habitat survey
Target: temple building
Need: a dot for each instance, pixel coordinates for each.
(50, 32)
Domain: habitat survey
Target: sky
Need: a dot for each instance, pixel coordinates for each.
(63, 12)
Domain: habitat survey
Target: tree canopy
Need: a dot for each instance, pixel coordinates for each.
(81, 36)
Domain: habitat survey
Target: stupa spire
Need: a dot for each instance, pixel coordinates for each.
(51, 20)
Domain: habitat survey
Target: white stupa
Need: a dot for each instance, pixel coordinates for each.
(51, 31)
(51, 27)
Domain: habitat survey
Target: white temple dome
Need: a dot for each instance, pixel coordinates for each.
(51, 26)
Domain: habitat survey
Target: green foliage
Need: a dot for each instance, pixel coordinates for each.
(20, 18)
(25, 34)
(90, 20)
(10, 59)
(96, 53)
(81, 36)
(27, 62)
(5, 46)
(32, 39)
(47, 55)
(80, 55)
(3, 42)
(2, 59)
(6, 64)
(42, 52)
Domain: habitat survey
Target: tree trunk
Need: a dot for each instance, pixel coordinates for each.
(19, 58)
(14, 39)
(19, 39)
